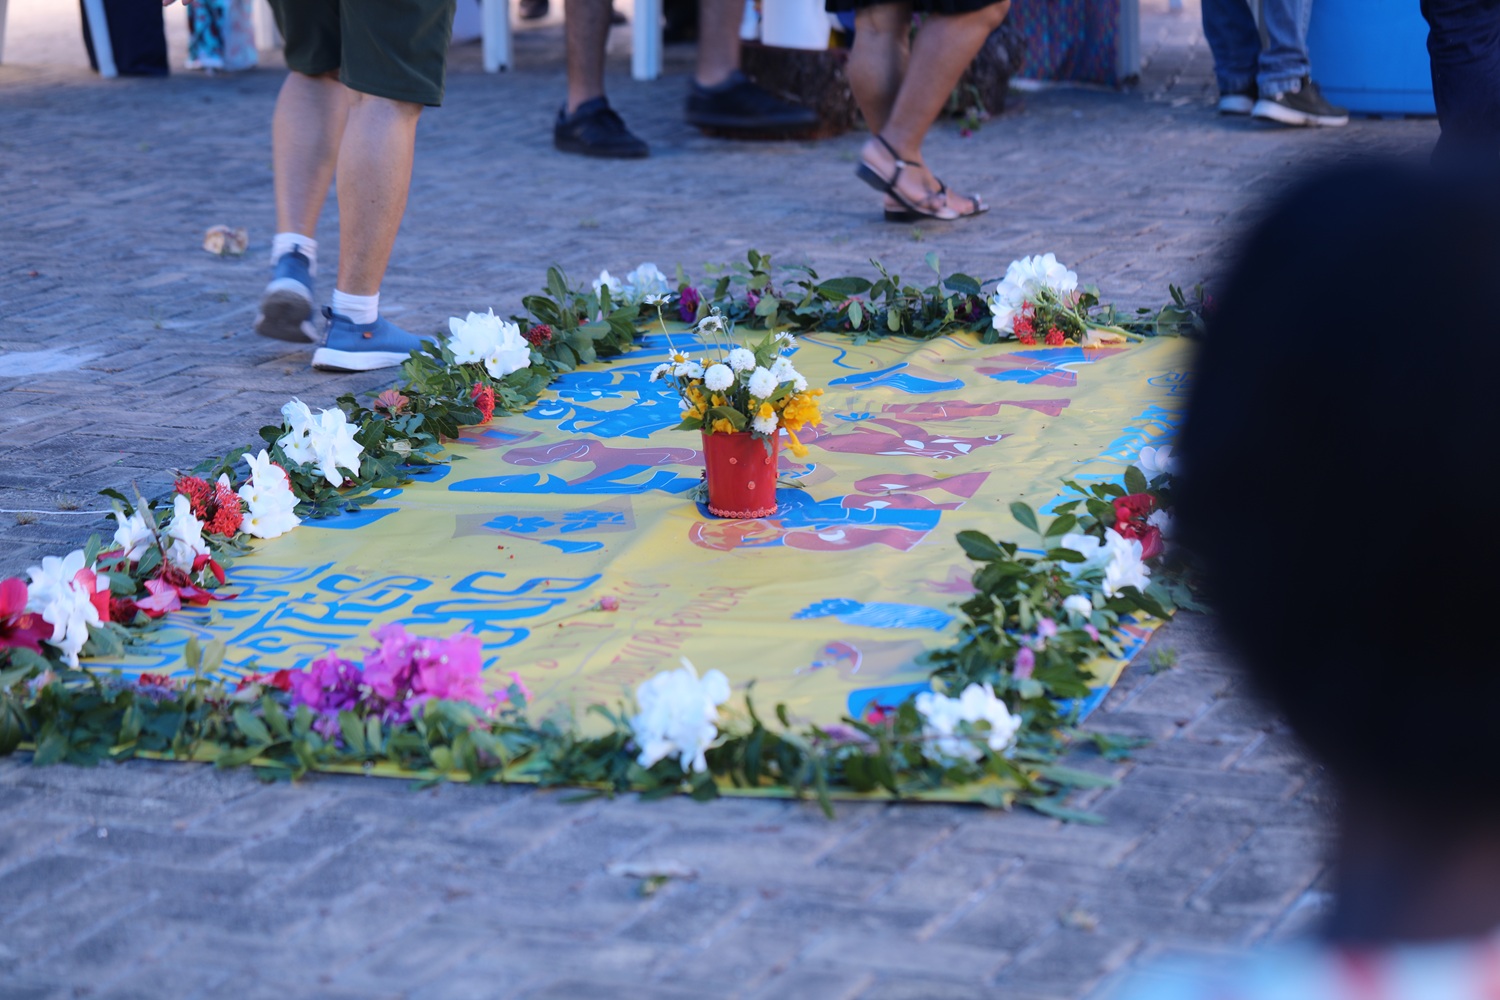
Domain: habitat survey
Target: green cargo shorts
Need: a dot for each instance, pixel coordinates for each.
(397, 49)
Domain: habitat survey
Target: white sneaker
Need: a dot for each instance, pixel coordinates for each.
(1237, 104)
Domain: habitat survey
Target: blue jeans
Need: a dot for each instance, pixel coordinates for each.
(1239, 57)
(1464, 44)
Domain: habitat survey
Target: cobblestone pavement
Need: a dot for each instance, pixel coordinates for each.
(127, 350)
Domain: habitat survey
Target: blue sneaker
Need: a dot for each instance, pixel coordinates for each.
(286, 307)
(361, 347)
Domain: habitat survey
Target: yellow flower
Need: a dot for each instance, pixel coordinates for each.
(766, 410)
(798, 448)
(719, 399)
(723, 426)
(694, 395)
(802, 410)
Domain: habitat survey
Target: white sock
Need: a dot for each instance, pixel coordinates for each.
(285, 243)
(357, 308)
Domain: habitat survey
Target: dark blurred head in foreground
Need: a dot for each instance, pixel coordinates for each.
(1336, 466)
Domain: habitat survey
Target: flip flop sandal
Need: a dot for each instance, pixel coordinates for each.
(979, 206)
(872, 177)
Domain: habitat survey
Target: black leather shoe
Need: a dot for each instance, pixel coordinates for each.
(737, 105)
(595, 130)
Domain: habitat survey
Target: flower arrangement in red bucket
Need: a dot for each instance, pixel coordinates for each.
(742, 401)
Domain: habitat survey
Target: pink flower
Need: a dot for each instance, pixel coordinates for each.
(1025, 663)
(609, 604)
(1093, 632)
(1046, 628)
(18, 629)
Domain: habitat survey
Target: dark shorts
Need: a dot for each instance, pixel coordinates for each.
(397, 49)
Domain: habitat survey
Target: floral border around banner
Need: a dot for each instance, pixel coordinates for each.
(1006, 695)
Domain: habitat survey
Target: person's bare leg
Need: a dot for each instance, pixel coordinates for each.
(877, 64)
(718, 40)
(944, 48)
(587, 32)
(305, 134)
(374, 175)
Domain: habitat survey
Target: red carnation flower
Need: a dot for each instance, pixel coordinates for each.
(539, 335)
(484, 398)
(1054, 337)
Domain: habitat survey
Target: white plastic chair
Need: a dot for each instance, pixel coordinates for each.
(104, 52)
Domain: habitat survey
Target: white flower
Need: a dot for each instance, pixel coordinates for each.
(646, 284)
(718, 378)
(712, 324)
(679, 715)
(270, 504)
(762, 383)
(1023, 280)
(133, 536)
(765, 425)
(977, 706)
(783, 369)
(64, 601)
(183, 536)
(326, 441)
(1163, 521)
(799, 384)
(688, 369)
(484, 338)
(786, 339)
(1157, 462)
(662, 369)
(1125, 568)
(741, 359)
(607, 280)
(1119, 557)
(1078, 604)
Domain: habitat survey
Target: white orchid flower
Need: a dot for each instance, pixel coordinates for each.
(678, 716)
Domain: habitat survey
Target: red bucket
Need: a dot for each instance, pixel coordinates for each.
(741, 474)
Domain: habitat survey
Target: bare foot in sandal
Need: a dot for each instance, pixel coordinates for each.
(905, 182)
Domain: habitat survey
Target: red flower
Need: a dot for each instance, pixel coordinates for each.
(216, 505)
(1054, 337)
(19, 629)
(1135, 507)
(1151, 542)
(876, 713)
(484, 398)
(122, 610)
(89, 581)
(1024, 325)
(281, 680)
(539, 335)
(154, 680)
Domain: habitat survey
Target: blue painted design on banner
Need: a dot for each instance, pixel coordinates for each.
(877, 614)
(891, 695)
(571, 547)
(609, 482)
(654, 407)
(350, 520)
(896, 379)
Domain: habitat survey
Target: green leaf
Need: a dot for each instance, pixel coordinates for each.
(962, 284)
(729, 413)
(1061, 526)
(856, 315)
(1073, 777)
(1135, 480)
(1023, 514)
(839, 289)
(980, 546)
(254, 729)
(1053, 807)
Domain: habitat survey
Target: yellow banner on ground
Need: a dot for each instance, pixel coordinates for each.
(825, 606)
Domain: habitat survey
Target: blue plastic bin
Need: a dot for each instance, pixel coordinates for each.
(1371, 56)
